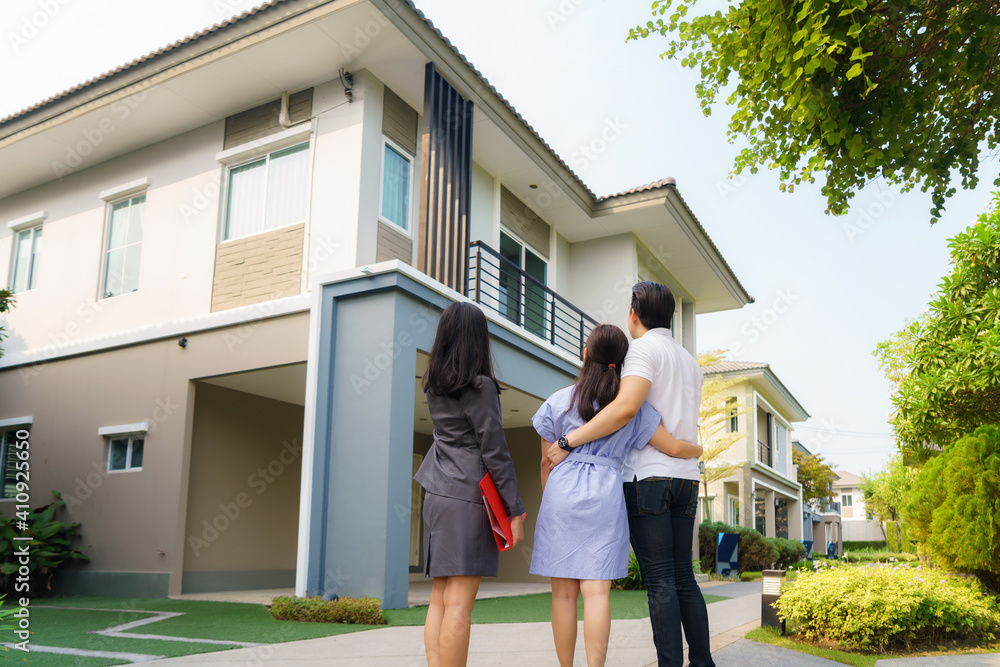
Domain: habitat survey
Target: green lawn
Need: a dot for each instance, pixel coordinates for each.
(774, 636)
(54, 625)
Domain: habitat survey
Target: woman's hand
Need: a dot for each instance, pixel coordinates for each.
(556, 455)
(517, 529)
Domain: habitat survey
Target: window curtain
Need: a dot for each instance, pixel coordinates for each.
(286, 187)
(246, 199)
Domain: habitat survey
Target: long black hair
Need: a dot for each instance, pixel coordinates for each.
(461, 352)
(600, 376)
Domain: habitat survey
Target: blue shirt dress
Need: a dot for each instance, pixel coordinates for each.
(582, 528)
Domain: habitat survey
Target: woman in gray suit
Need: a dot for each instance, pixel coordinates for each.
(459, 548)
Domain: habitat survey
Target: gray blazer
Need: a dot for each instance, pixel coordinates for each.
(468, 442)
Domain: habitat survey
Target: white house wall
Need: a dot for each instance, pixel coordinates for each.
(601, 275)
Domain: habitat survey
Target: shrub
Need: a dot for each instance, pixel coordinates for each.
(862, 545)
(751, 576)
(754, 551)
(885, 607)
(953, 511)
(50, 547)
(789, 551)
(877, 557)
(633, 580)
(358, 611)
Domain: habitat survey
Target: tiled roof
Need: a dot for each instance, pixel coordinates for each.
(847, 479)
(141, 59)
(730, 366)
(655, 185)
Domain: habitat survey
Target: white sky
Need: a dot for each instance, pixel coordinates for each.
(827, 289)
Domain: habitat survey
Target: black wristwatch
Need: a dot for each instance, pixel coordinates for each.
(564, 444)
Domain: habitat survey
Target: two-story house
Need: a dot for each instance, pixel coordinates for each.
(763, 491)
(858, 527)
(230, 256)
(822, 526)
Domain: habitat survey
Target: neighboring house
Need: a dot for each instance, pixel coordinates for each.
(821, 520)
(763, 493)
(858, 527)
(249, 236)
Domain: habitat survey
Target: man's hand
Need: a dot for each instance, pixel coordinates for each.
(517, 529)
(556, 455)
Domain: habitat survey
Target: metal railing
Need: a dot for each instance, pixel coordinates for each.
(830, 506)
(763, 453)
(500, 285)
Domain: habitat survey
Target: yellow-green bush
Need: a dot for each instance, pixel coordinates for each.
(884, 606)
(361, 611)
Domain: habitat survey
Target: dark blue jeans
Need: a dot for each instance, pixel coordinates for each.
(661, 513)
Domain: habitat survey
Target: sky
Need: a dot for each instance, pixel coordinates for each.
(827, 289)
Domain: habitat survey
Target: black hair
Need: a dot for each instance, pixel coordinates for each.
(600, 375)
(653, 303)
(461, 352)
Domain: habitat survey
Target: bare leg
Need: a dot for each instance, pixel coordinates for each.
(456, 624)
(564, 595)
(432, 626)
(596, 620)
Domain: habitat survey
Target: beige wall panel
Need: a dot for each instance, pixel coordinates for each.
(516, 216)
(393, 244)
(262, 121)
(399, 122)
(243, 493)
(127, 518)
(258, 268)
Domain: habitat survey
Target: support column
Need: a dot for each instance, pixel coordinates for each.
(769, 528)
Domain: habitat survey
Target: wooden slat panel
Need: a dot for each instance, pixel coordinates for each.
(393, 244)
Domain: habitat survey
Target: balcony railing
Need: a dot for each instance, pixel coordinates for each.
(830, 506)
(764, 453)
(500, 285)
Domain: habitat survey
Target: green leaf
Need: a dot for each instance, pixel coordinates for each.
(855, 71)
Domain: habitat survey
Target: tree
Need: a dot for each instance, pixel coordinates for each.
(855, 89)
(815, 476)
(946, 364)
(886, 493)
(716, 410)
(954, 507)
(6, 303)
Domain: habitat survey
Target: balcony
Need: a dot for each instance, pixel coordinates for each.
(764, 453)
(500, 285)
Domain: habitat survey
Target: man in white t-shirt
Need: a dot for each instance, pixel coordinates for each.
(661, 492)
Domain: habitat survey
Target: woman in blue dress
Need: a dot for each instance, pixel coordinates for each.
(581, 536)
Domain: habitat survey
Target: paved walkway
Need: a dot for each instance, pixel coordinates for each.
(530, 644)
(524, 644)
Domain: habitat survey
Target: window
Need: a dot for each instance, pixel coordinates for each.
(267, 193)
(734, 511)
(528, 310)
(397, 174)
(8, 462)
(734, 422)
(124, 454)
(121, 261)
(707, 508)
(846, 500)
(27, 256)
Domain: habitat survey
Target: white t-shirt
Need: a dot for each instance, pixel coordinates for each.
(675, 393)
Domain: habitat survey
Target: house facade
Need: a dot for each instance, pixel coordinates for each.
(857, 526)
(763, 491)
(229, 259)
(822, 524)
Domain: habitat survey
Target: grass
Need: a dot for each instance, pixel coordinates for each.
(52, 624)
(774, 637)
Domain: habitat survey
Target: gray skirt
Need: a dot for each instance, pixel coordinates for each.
(458, 540)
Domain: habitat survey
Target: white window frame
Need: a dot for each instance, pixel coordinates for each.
(112, 197)
(31, 229)
(11, 426)
(235, 158)
(130, 439)
(386, 141)
(846, 500)
(129, 432)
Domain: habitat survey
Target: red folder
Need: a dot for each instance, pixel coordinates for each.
(497, 514)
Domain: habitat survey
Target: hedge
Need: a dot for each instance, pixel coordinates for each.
(884, 607)
(862, 545)
(360, 611)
